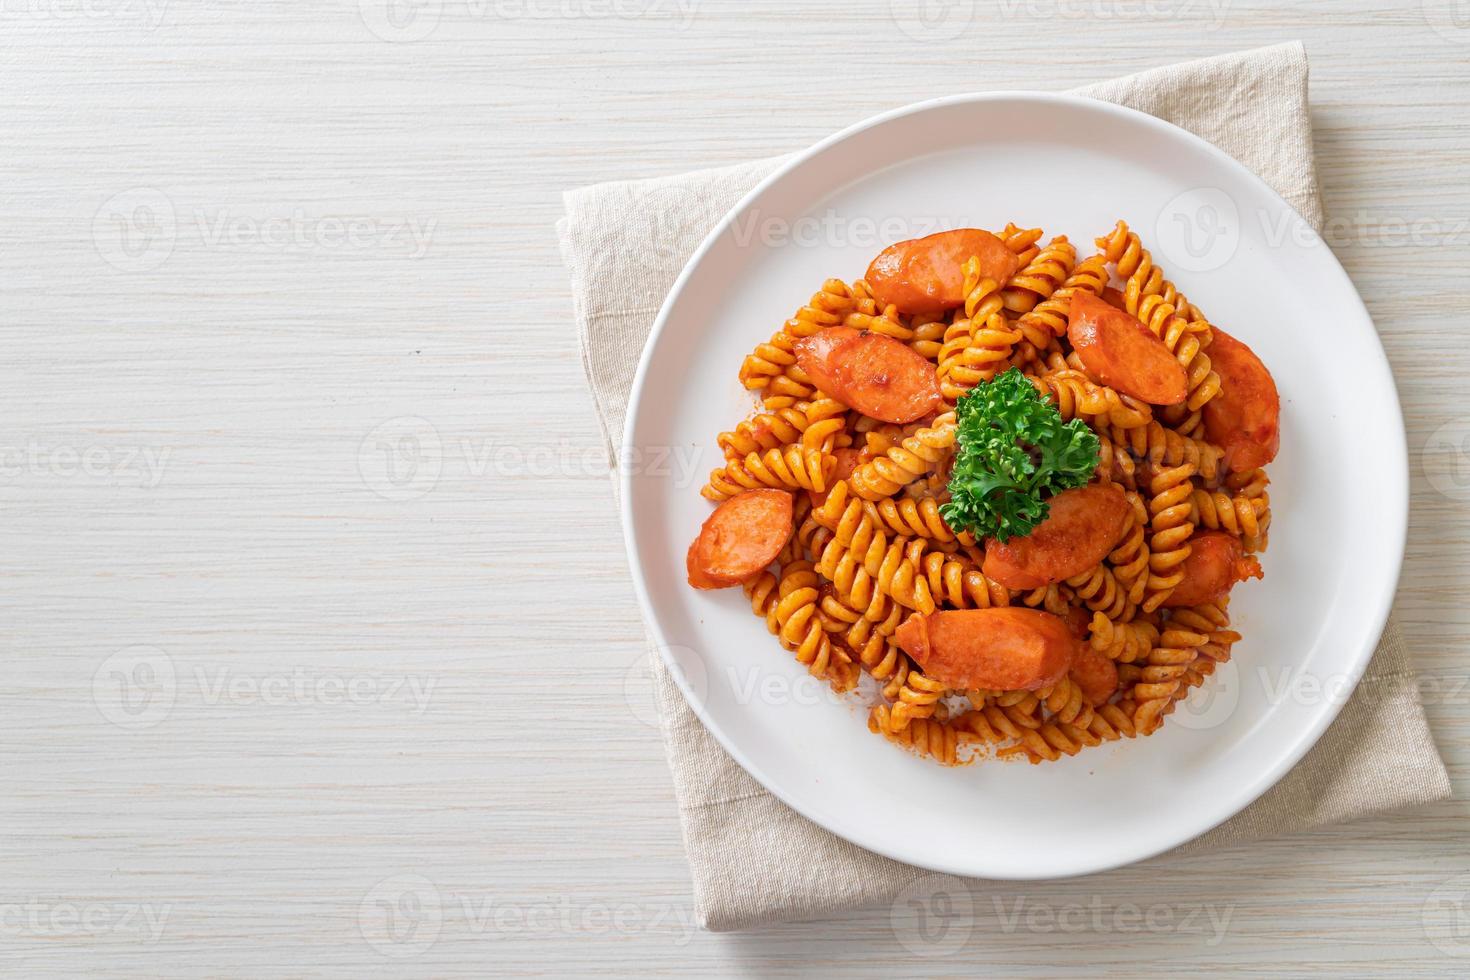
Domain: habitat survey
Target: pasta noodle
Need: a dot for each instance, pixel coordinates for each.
(1078, 397)
(930, 737)
(788, 467)
(1041, 277)
(870, 547)
(1170, 509)
(902, 464)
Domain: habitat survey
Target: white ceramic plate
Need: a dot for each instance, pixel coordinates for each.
(1339, 489)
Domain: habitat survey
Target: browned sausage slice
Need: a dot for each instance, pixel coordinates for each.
(1216, 562)
(927, 275)
(1095, 674)
(1118, 350)
(884, 379)
(1081, 527)
(813, 356)
(742, 537)
(1002, 648)
(1245, 417)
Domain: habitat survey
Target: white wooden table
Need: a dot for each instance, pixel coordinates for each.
(317, 627)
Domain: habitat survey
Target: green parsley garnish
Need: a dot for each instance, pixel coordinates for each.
(1012, 451)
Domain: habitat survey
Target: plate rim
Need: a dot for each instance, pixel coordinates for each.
(1396, 479)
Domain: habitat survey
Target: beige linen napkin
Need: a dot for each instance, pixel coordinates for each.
(755, 861)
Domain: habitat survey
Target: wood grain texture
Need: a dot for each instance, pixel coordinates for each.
(331, 495)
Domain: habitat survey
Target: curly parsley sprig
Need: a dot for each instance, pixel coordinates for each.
(1012, 452)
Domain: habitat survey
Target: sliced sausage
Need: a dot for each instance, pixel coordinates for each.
(742, 537)
(1216, 562)
(1114, 298)
(1082, 526)
(1245, 417)
(884, 379)
(1095, 674)
(813, 353)
(1118, 350)
(927, 275)
(696, 574)
(1079, 620)
(847, 461)
(1003, 648)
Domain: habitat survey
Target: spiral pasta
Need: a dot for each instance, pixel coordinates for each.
(918, 697)
(974, 351)
(977, 346)
(1239, 515)
(931, 737)
(1170, 509)
(1160, 679)
(1123, 642)
(912, 517)
(958, 583)
(1091, 275)
(1135, 264)
(765, 431)
(1077, 396)
(1041, 277)
(915, 457)
(797, 624)
(1163, 446)
(788, 467)
(1021, 241)
(1130, 558)
(1154, 300)
(775, 359)
(1100, 590)
(870, 548)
